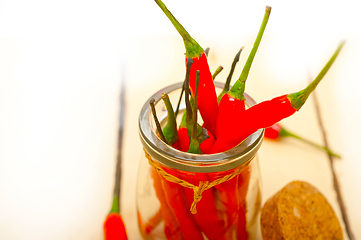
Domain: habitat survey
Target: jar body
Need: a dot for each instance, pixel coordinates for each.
(229, 210)
(188, 196)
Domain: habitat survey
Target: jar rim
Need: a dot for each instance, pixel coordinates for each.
(173, 158)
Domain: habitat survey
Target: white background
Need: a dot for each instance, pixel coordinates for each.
(60, 70)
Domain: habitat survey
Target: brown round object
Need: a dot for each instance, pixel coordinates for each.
(299, 211)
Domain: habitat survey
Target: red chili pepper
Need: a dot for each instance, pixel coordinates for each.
(243, 182)
(207, 101)
(228, 201)
(267, 113)
(207, 217)
(276, 132)
(207, 144)
(232, 105)
(178, 203)
(175, 198)
(171, 225)
(114, 228)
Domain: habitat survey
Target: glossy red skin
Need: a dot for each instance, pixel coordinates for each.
(228, 198)
(207, 144)
(183, 139)
(243, 182)
(261, 115)
(176, 145)
(207, 215)
(273, 132)
(171, 225)
(207, 96)
(177, 202)
(114, 228)
(230, 114)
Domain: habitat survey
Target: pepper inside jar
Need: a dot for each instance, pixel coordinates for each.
(191, 196)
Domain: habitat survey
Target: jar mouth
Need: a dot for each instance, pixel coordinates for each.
(173, 158)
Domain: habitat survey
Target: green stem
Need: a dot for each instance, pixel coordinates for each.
(297, 99)
(194, 143)
(218, 70)
(286, 133)
(159, 129)
(238, 88)
(115, 205)
(170, 129)
(193, 49)
(229, 78)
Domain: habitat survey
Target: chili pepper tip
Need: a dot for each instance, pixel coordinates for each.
(297, 99)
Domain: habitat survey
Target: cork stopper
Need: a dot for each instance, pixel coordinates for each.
(299, 211)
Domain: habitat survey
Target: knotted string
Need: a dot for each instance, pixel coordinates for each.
(203, 185)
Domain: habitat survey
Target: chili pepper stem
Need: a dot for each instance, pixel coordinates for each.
(188, 105)
(193, 49)
(238, 88)
(115, 205)
(159, 129)
(229, 78)
(218, 70)
(206, 51)
(286, 133)
(194, 146)
(170, 129)
(297, 99)
(179, 101)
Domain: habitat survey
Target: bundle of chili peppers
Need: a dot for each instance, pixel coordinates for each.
(227, 122)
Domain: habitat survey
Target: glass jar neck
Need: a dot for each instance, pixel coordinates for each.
(173, 158)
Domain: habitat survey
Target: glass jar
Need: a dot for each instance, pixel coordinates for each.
(190, 196)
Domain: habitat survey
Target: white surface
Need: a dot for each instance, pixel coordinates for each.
(59, 86)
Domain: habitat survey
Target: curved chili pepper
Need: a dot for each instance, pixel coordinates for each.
(232, 105)
(267, 113)
(207, 99)
(276, 132)
(113, 226)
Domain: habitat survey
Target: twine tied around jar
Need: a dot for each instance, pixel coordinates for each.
(203, 185)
